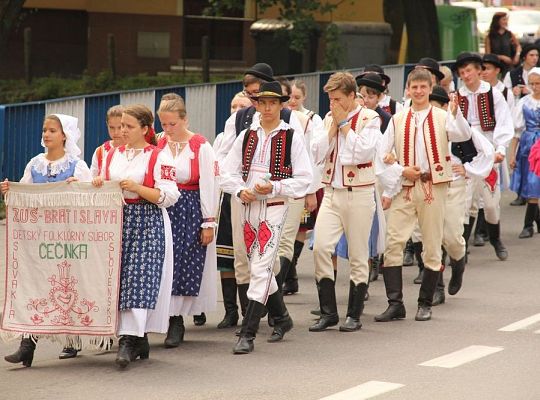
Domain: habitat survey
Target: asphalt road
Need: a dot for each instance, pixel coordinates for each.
(382, 358)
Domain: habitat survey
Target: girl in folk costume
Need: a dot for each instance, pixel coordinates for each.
(524, 181)
(59, 163)
(164, 98)
(225, 260)
(193, 219)
(307, 206)
(114, 126)
(267, 165)
(415, 190)
(147, 176)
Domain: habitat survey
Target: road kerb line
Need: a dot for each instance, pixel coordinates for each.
(365, 391)
(522, 324)
(462, 356)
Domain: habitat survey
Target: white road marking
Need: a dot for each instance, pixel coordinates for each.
(523, 324)
(461, 357)
(364, 391)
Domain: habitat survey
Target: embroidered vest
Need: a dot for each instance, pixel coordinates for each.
(195, 144)
(149, 180)
(486, 109)
(100, 152)
(435, 140)
(353, 175)
(280, 154)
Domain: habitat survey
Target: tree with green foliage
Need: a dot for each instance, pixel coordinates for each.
(300, 14)
(10, 14)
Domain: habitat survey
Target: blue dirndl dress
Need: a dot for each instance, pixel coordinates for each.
(524, 182)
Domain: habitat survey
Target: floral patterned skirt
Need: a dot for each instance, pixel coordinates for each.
(143, 254)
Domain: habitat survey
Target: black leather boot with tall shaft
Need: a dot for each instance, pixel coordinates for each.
(425, 296)
(290, 286)
(228, 289)
(528, 225)
(242, 296)
(284, 264)
(142, 348)
(126, 350)
(408, 254)
(327, 302)
(393, 283)
(495, 240)
(24, 354)
(175, 333)
(250, 326)
(456, 280)
(418, 247)
(467, 229)
(277, 310)
(355, 307)
(374, 268)
(439, 296)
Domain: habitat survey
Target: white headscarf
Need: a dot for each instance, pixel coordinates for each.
(534, 70)
(72, 132)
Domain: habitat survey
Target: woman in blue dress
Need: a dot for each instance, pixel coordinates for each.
(60, 162)
(524, 182)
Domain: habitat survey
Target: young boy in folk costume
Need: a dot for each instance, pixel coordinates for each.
(267, 164)
(415, 190)
(346, 147)
(114, 117)
(486, 110)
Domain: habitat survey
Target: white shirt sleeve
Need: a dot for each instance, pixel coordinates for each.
(508, 82)
(504, 128)
(457, 128)
(207, 184)
(82, 172)
(231, 169)
(167, 186)
(298, 185)
(94, 166)
(519, 120)
(360, 148)
(482, 164)
(27, 175)
(320, 146)
(228, 138)
(316, 182)
(389, 175)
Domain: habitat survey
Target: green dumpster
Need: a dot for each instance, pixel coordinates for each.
(457, 30)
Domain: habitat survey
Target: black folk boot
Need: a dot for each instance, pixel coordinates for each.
(418, 247)
(228, 289)
(374, 270)
(327, 302)
(456, 280)
(425, 296)
(408, 255)
(142, 348)
(530, 216)
(242, 296)
(250, 326)
(355, 307)
(495, 240)
(467, 229)
(439, 296)
(283, 323)
(393, 283)
(126, 350)
(175, 333)
(290, 286)
(24, 354)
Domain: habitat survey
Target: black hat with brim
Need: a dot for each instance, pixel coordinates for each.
(466, 58)
(375, 68)
(372, 80)
(528, 48)
(431, 65)
(270, 90)
(492, 59)
(262, 71)
(439, 94)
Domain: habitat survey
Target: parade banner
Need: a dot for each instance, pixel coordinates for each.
(63, 244)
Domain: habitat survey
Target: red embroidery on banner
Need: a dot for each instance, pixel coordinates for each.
(168, 172)
(62, 303)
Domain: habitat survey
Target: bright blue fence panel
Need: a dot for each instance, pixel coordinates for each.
(95, 127)
(224, 94)
(181, 91)
(20, 134)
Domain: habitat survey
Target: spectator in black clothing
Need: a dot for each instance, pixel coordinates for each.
(502, 42)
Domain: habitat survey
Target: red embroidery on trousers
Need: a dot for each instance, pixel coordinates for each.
(491, 180)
